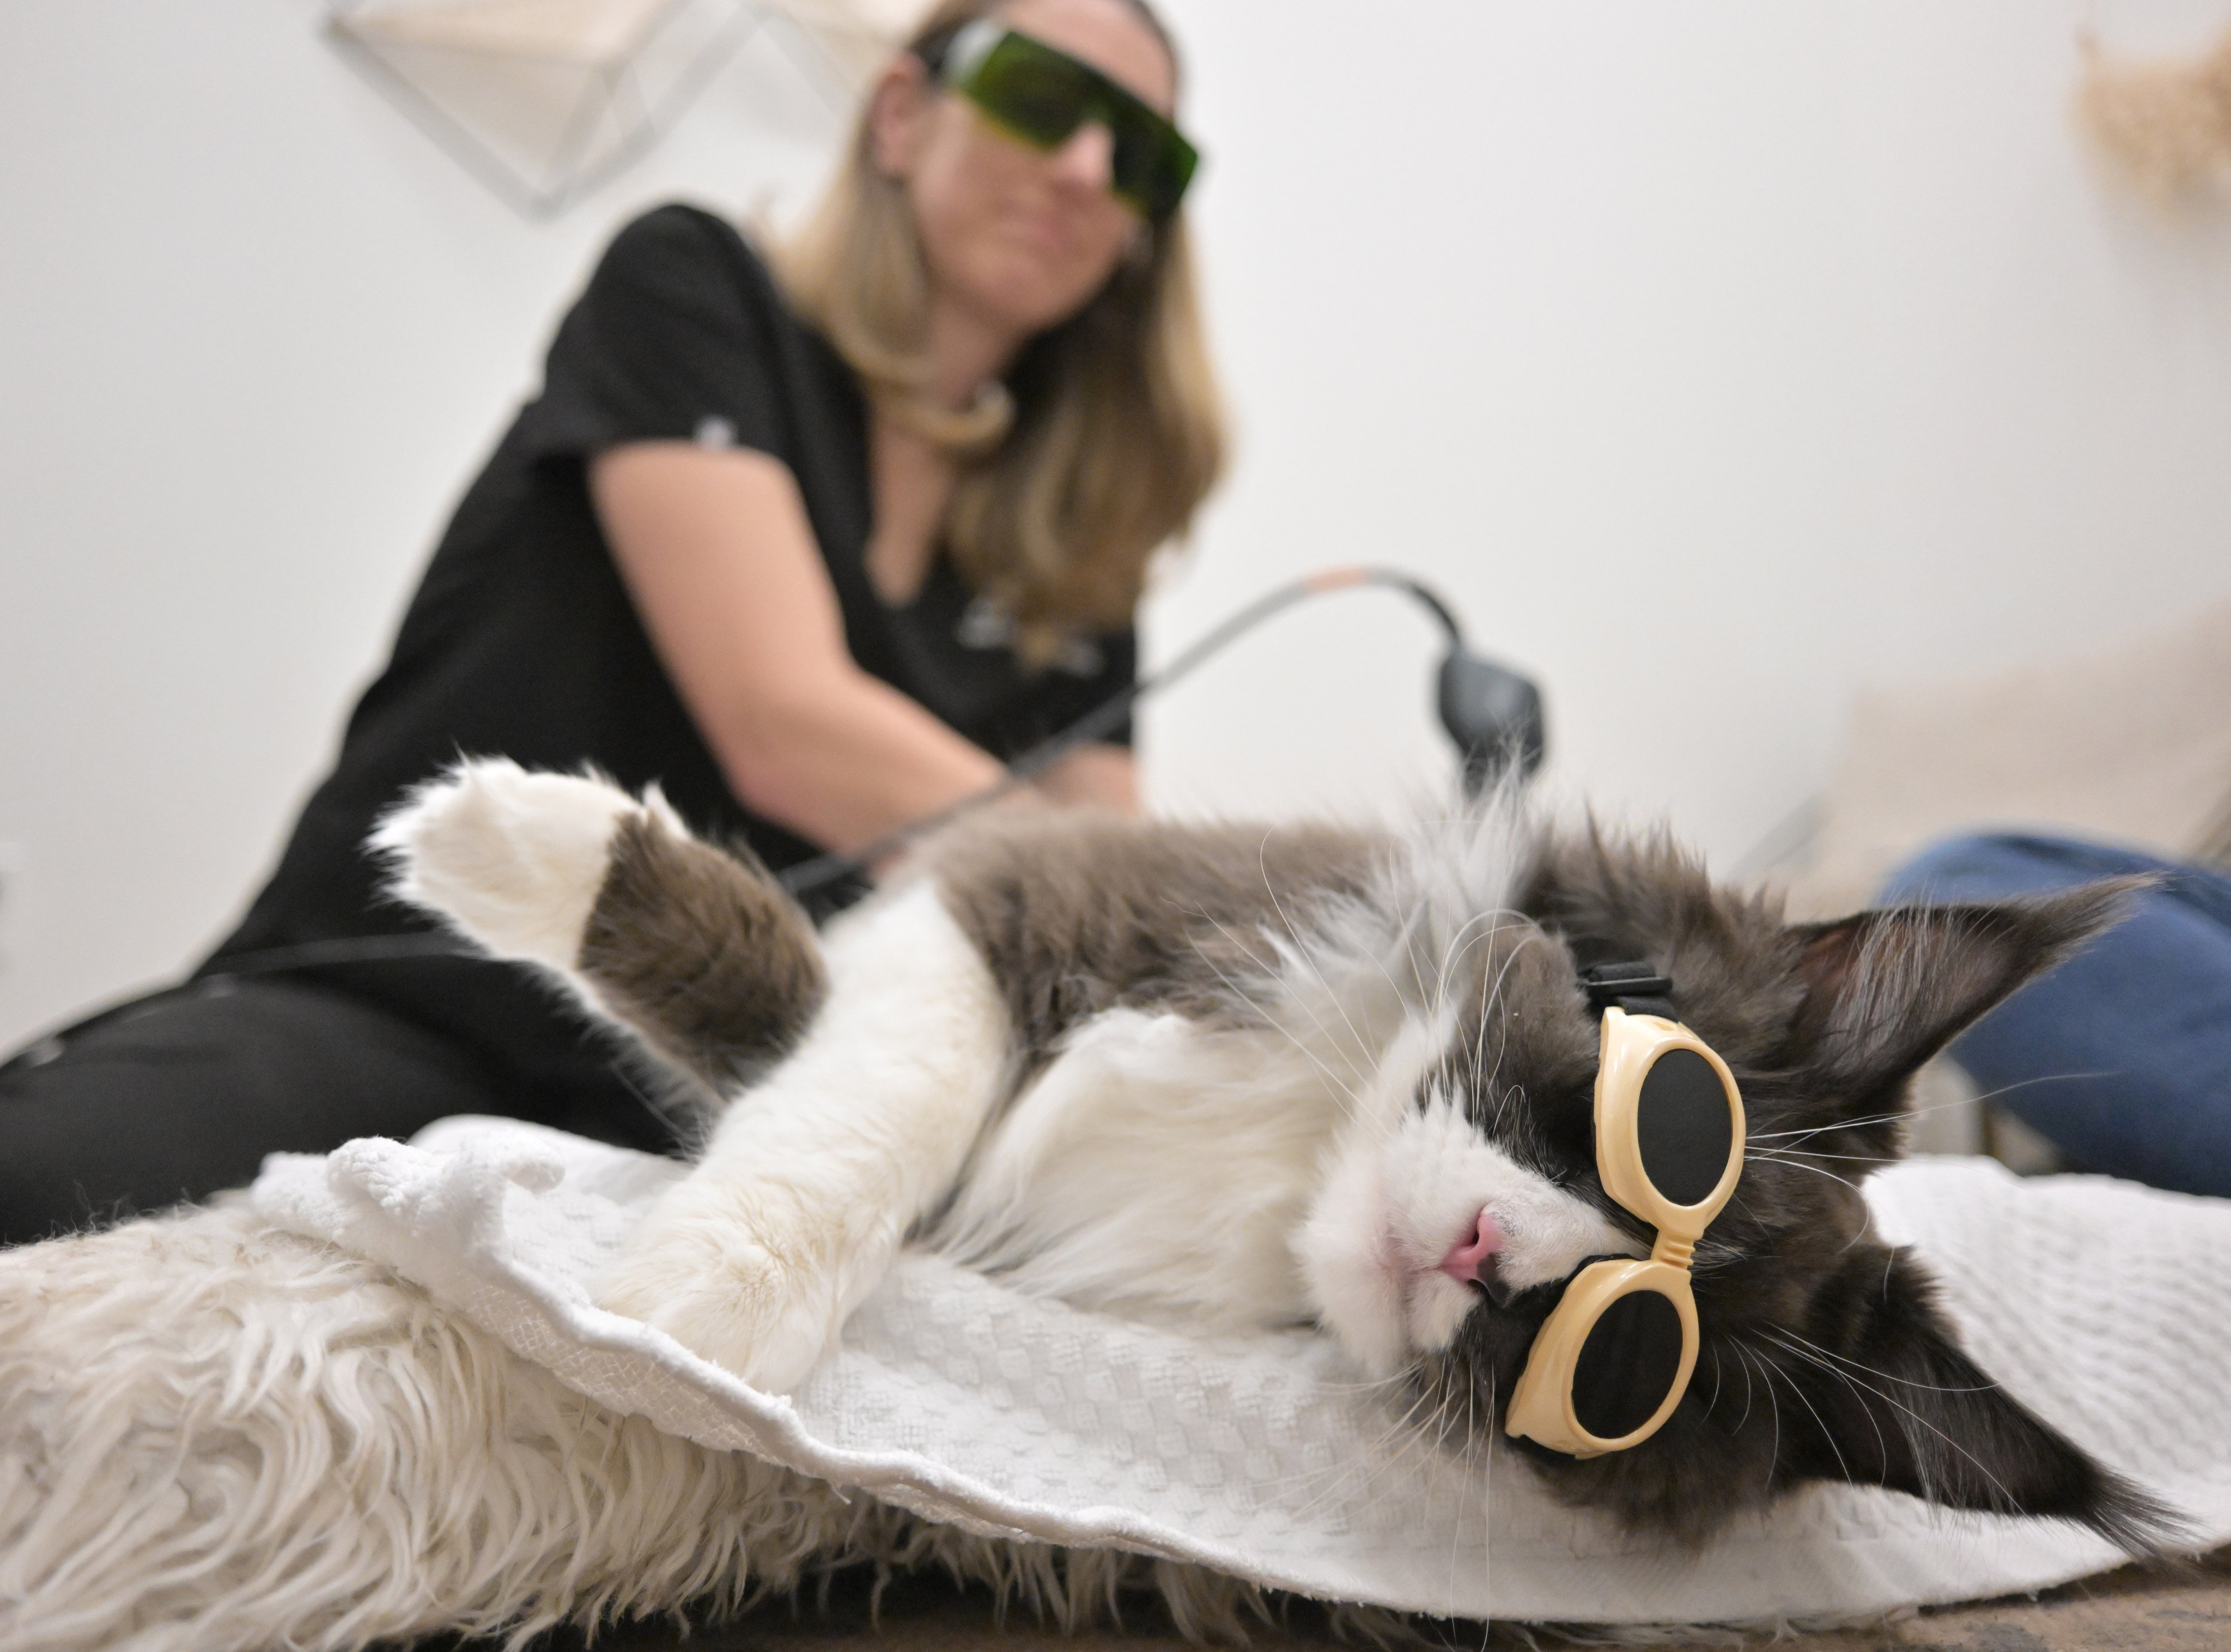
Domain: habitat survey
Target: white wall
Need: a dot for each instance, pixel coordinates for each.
(1713, 357)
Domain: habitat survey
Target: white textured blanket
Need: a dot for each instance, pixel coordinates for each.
(2106, 1307)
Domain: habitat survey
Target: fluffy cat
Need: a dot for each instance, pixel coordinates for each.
(1236, 1077)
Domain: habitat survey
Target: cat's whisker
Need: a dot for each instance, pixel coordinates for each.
(1926, 1387)
(1375, 956)
(1431, 1441)
(1268, 968)
(1494, 996)
(1826, 1432)
(1412, 933)
(1445, 971)
(1487, 1500)
(1868, 1120)
(1361, 1385)
(1911, 1112)
(1798, 1155)
(1767, 1372)
(1504, 1098)
(1367, 1459)
(1881, 1442)
(1371, 1462)
(1493, 917)
(1354, 1058)
(1302, 947)
(1764, 1370)
(1425, 1436)
(1315, 1487)
(1229, 982)
(1859, 1232)
(1471, 1439)
(1702, 1265)
(1329, 1481)
(1841, 1125)
(1882, 1445)
(1800, 1164)
(1479, 1042)
(1745, 1417)
(1445, 1389)
(1983, 1469)
(1407, 1435)
(2031, 1083)
(1345, 1087)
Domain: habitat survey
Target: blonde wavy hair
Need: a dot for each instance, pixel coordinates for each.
(1112, 430)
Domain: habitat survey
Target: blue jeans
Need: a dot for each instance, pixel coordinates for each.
(2122, 1056)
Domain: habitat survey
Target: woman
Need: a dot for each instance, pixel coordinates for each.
(815, 552)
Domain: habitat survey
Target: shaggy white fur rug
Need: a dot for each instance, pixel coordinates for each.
(218, 1434)
(214, 1432)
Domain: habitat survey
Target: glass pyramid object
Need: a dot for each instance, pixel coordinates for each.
(544, 99)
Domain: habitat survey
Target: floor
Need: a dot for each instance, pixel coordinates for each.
(2132, 1610)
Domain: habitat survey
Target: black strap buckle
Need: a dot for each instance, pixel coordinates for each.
(1635, 987)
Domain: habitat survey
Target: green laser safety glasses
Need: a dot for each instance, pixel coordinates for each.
(1040, 96)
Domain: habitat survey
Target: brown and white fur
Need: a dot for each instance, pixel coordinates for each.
(1243, 1078)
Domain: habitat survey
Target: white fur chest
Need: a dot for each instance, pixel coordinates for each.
(1158, 1166)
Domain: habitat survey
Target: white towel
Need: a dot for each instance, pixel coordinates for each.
(2105, 1307)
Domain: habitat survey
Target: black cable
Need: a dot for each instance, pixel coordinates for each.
(808, 875)
(1487, 731)
(368, 949)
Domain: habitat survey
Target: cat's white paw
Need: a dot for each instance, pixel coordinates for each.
(514, 859)
(722, 1286)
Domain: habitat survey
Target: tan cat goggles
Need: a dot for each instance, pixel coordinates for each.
(1614, 1357)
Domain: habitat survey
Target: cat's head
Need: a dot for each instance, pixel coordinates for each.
(1465, 1189)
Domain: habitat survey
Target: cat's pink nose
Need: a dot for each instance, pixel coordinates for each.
(1471, 1260)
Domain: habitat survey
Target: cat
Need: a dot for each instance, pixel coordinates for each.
(1235, 1078)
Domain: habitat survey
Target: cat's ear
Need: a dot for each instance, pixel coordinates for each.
(1885, 990)
(1888, 1398)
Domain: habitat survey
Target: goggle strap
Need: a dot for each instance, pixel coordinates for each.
(967, 46)
(1635, 987)
(937, 54)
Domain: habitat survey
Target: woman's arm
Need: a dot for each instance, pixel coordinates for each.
(717, 551)
(1104, 776)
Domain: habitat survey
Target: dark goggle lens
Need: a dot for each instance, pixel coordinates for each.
(1151, 169)
(1036, 93)
(1042, 96)
(1683, 1127)
(1627, 1365)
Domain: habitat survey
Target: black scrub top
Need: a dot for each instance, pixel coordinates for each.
(521, 641)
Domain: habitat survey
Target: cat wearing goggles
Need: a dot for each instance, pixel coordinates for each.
(1544, 1128)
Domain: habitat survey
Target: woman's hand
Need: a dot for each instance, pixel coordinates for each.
(718, 555)
(1101, 776)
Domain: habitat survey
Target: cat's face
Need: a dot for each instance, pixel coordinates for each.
(1465, 1191)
